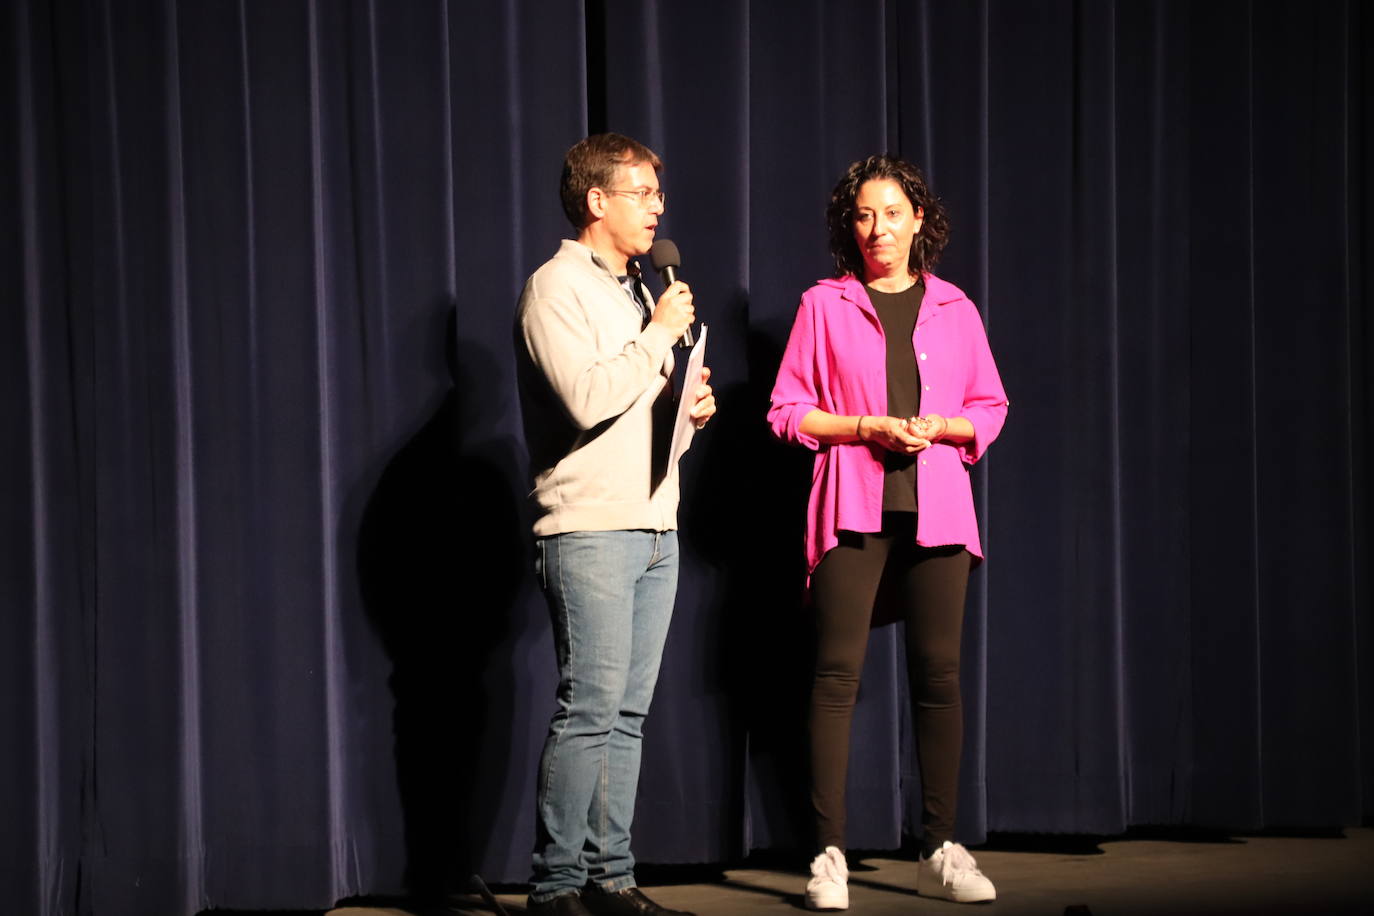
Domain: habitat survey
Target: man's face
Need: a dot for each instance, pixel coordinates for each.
(629, 222)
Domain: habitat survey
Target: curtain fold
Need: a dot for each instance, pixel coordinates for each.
(271, 635)
(46, 655)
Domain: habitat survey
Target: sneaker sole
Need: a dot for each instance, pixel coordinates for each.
(822, 906)
(929, 896)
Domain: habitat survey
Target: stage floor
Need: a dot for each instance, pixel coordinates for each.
(1200, 874)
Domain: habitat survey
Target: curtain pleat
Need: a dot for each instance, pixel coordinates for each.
(191, 845)
(39, 849)
(273, 637)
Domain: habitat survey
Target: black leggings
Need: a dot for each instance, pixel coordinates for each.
(929, 584)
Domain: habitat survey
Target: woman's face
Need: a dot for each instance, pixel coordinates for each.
(885, 223)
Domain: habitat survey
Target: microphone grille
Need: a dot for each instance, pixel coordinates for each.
(663, 253)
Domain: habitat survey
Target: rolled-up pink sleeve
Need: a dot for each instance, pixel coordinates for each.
(985, 400)
(795, 392)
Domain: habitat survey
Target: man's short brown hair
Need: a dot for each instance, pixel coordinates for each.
(592, 163)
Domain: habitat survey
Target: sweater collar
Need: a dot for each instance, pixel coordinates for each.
(583, 254)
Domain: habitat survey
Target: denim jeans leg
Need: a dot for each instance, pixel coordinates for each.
(591, 580)
(609, 860)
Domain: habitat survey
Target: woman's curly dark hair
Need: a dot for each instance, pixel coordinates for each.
(925, 247)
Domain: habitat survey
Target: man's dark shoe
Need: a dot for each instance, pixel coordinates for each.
(562, 905)
(629, 902)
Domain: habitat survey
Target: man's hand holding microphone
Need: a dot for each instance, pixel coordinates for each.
(676, 312)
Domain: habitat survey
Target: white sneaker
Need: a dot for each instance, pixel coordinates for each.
(828, 888)
(952, 874)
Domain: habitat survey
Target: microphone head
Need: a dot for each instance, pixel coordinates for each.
(663, 253)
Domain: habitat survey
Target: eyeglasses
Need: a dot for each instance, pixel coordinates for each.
(643, 195)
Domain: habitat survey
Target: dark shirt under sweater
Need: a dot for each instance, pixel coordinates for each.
(897, 314)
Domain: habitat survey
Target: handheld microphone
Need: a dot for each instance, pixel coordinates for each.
(664, 257)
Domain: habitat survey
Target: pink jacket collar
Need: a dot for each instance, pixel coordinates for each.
(937, 291)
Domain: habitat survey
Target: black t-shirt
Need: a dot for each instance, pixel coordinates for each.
(897, 314)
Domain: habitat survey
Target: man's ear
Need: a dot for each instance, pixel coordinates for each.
(596, 203)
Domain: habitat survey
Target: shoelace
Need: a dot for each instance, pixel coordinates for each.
(956, 859)
(830, 865)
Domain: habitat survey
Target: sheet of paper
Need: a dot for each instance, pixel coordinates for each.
(685, 427)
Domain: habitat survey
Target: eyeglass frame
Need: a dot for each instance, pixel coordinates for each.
(643, 194)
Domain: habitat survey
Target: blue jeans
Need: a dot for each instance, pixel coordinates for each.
(610, 595)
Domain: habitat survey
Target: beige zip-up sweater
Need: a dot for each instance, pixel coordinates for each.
(597, 402)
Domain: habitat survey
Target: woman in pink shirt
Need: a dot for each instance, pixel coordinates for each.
(890, 380)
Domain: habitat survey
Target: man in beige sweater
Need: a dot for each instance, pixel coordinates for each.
(595, 370)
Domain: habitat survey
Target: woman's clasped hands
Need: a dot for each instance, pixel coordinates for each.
(907, 435)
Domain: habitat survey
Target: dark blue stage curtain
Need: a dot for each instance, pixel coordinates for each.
(269, 636)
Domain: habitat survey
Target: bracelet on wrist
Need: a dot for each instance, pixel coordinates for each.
(859, 428)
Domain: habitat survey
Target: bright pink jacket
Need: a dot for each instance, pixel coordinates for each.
(836, 361)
